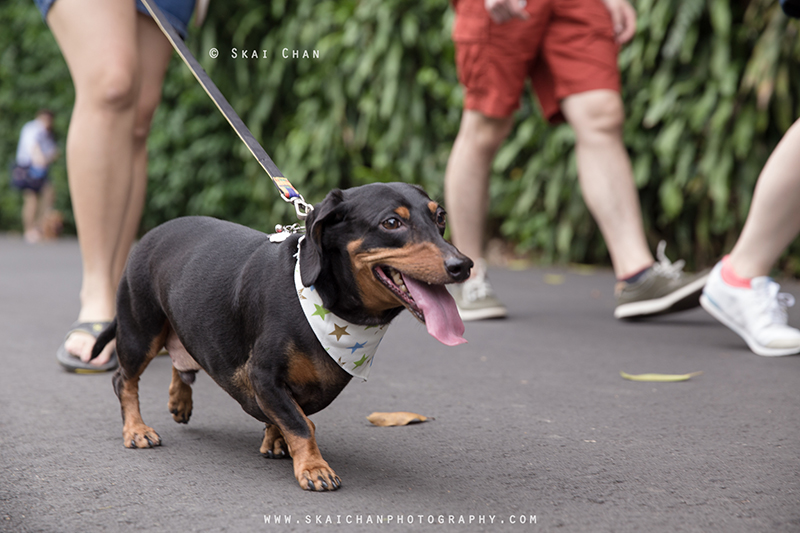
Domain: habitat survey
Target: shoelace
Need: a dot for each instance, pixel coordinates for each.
(776, 303)
(477, 288)
(664, 266)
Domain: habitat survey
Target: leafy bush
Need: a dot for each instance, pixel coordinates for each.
(708, 88)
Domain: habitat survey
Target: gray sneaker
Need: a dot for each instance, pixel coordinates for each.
(475, 297)
(664, 288)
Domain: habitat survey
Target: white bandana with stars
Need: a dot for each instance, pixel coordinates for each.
(352, 346)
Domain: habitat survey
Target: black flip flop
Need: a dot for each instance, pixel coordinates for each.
(73, 363)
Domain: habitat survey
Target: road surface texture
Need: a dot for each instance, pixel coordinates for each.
(533, 428)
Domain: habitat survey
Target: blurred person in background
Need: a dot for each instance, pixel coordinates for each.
(36, 151)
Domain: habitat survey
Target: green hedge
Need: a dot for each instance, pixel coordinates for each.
(708, 88)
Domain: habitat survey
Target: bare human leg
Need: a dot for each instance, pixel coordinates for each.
(606, 177)
(30, 205)
(466, 179)
(774, 218)
(154, 56)
(46, 201)
(101, 43)
(738, 293)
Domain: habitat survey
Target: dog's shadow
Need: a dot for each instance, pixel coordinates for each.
(362, 465)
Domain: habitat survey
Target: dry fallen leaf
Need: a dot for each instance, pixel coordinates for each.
(581, 269)
(399, 418)
(553, 279)
(659, 377)
(519, 264)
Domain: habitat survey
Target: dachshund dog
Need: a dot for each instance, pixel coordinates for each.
(229, 300)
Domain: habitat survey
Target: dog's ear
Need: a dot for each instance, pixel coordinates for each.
(325, 213)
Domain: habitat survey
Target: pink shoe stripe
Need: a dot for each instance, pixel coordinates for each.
(730, 277)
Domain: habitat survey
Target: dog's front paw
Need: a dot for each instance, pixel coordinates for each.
(140, 436)
(318, 477)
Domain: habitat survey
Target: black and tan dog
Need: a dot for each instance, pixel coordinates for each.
(222, 298)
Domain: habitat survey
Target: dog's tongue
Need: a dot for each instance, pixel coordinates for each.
(439, 308)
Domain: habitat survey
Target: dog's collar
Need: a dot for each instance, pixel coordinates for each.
(352, 346)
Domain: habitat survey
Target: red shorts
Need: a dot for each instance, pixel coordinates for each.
(565, 46)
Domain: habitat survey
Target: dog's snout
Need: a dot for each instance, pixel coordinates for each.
(458, 267)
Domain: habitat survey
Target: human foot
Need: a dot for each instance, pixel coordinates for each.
(74, 354)
(32, 236)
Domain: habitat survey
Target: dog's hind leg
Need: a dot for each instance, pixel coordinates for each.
(180, 395)
(184, 370)
(134, 355)
(274, 445)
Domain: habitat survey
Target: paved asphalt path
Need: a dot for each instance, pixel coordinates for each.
(531, 418)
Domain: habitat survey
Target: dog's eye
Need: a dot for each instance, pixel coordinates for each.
(392, 223)
(441, 218)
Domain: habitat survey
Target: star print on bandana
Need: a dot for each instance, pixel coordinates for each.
(320, 311)
(356, 346)
(351, 346)
(360, 362)
(338, 331)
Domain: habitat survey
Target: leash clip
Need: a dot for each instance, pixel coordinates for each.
(290, 229)
(301, 208)
(284, 232)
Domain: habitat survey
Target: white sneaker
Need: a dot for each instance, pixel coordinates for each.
(758, 314)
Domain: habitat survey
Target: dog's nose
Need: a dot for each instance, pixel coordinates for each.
(458, 267)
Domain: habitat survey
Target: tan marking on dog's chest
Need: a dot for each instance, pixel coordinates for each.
(301, 369)
(241, 379)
